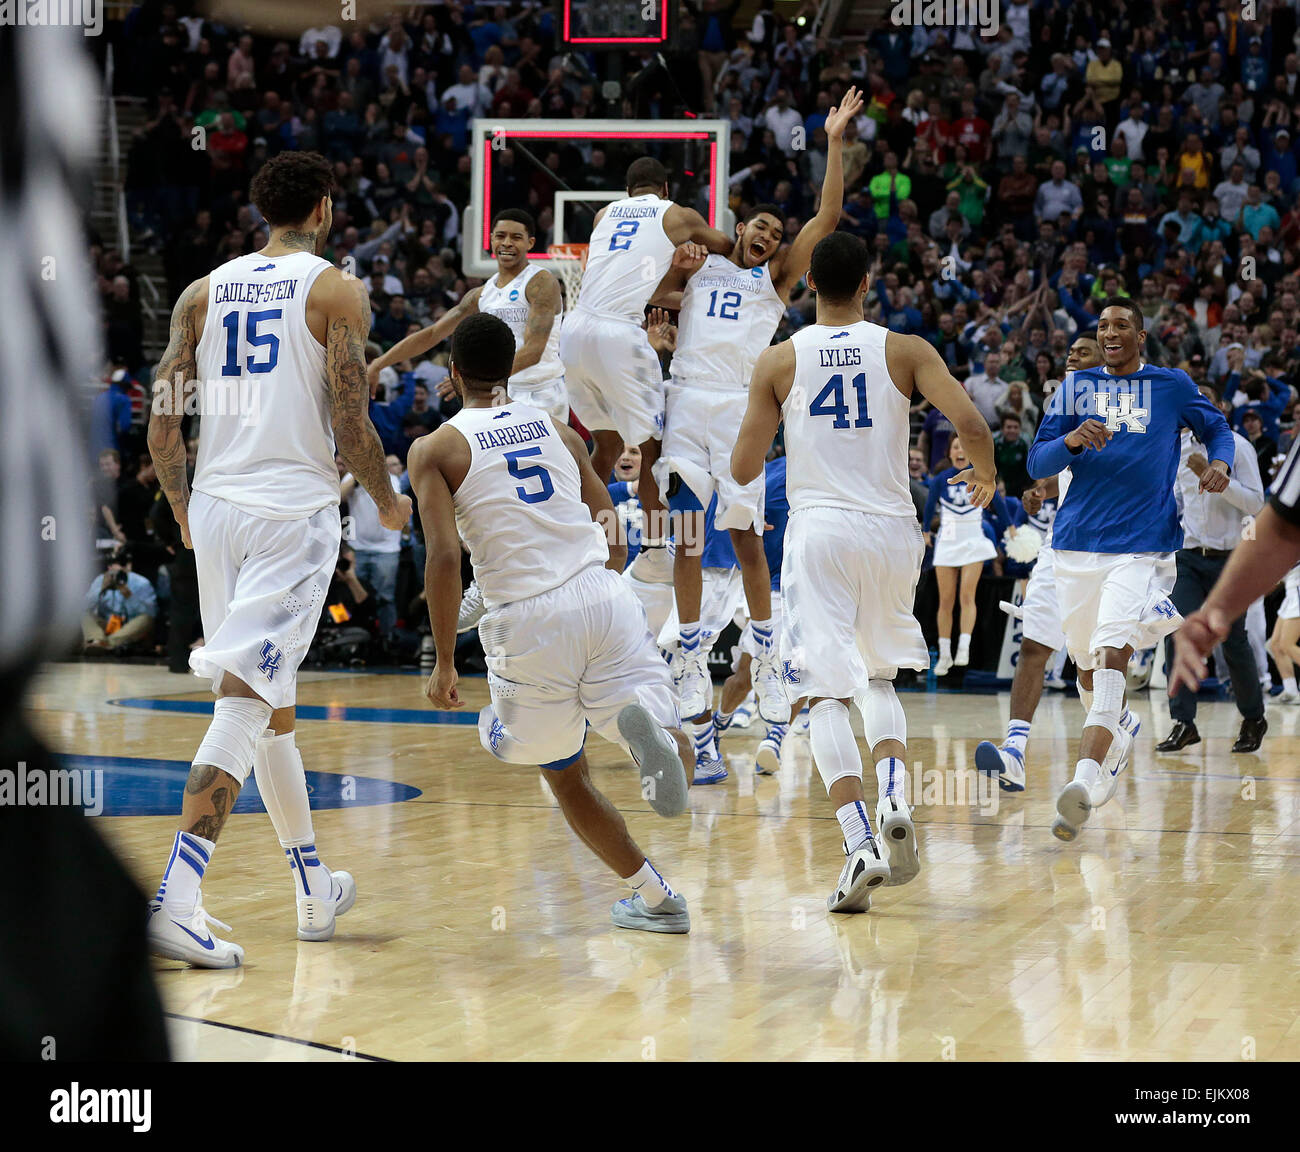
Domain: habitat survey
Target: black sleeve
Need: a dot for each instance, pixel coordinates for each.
(1284, 494)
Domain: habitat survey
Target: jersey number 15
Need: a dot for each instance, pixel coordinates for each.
(252, 337)
(835, 387)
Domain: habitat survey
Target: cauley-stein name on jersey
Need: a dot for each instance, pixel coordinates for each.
(245, 293)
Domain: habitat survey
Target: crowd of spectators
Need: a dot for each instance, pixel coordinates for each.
(1007, 184)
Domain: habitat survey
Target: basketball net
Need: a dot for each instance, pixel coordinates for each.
(567, 262)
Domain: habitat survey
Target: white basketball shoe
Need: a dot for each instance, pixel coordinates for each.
(317, 914)
(864, 870)
(186, 936)
(894, 820)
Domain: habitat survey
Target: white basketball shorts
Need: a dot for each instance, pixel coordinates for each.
(1114, 600)
(848, 583)
(613, 376)
(262, 585)
(1041, 610)
(551, 397)
(701, 426)
(577, 654)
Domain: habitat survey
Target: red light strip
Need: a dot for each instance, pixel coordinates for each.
(660, 39)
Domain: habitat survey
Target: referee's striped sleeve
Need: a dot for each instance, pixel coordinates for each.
(1284, 494)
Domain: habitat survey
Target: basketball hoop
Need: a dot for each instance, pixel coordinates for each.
(567, 262)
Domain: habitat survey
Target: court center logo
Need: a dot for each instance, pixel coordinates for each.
(88, 15)
(986, 15)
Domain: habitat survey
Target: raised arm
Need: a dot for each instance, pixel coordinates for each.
(773, 369)
(420, 342)
(544, 305)
(177, 367)
(794, 263)
(595, 496)
(682, 224)
(914, 362)
(347, 311)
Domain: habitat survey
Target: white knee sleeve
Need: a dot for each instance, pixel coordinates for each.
(1107, 699)
(834, 750)
(237, 723)
(882, 714)
(283, 787)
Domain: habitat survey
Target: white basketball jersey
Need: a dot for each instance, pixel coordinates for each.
(520, 506)
(628, 255)
(1062, 486)
(510, 303)
(728, 316)
(846, 425)
(266, 443)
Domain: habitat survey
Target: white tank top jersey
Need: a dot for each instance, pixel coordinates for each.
(628, 255)
(510, 303)
(520, 506)
(959, 519)
(266, 442)
(728, 316)
(846, 425)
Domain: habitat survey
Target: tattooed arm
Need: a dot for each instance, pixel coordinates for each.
(544, 304)
(347, 323)
(177, 367)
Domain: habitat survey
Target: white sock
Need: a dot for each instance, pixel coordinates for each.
(689, 636)
(963, 642)
(1288, 684)
(179, 889)
(762, 630)
(722, 720)
(654, 888)
(704, 737)
(1017, 736)
(1087, 772)
(891, 777)
(945, 646)
(855, 824)
(277, 767)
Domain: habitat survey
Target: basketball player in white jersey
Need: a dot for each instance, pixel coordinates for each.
(275, 341)
(731, 306)
(1041, 630)
(566, 641)
(527, 297)
(614, 378)
(853, 545)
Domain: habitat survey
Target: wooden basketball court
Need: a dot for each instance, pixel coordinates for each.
(481, 928)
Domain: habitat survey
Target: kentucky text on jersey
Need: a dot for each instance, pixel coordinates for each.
(255, 293)
(516, 434)
(746, 283)
(633, 211)
(1121, 499)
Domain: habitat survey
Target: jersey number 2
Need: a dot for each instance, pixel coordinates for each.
(530, 472)
(230, 321)
(840, 410)
(623, 233)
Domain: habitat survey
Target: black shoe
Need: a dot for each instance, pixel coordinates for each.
(1181, 737)
(1251, 735)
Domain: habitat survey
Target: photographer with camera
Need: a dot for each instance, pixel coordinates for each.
(120, 608)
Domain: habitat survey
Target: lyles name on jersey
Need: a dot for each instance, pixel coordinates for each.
(838, 357)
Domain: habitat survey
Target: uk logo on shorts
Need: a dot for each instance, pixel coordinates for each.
(1166, 609)
(789, 673)
(496, 734)
(270, 662)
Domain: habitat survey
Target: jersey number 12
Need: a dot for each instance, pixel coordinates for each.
(840, 410)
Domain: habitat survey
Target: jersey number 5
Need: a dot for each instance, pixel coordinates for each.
(623, 233)
(530, 472)
(269, 340)
(840, 410)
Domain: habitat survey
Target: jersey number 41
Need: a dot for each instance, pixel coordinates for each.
(840, 410)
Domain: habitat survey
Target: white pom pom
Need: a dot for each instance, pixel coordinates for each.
(1023, 547)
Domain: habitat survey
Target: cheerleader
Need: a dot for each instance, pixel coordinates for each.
(1284, 644)
(960, 552)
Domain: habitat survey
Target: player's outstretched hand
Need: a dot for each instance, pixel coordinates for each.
(982, 489)
(446, 389)
(1092, 433)
(837, 119)
(441, 689)
(372, 376)
(1200, 632)
(395, 518)
(689, 255)
(1214, 478)
(661, 331)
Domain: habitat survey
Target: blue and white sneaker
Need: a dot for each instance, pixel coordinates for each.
(472, 609)
(894, 820)
(189, 938)
(663, 776)
(670, 916)
(1005, 763)
(743, 716)
(317, 914)
(708, 771)
(1117, 758)
(767, 762)
(864, 870)
(800, 725)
